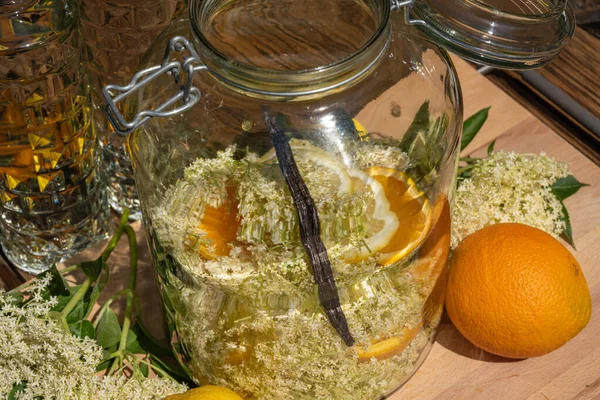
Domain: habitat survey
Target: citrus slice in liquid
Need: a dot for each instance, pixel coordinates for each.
(219, 226)
(332, 173)
(382, 222)
(390, 347)
(412, 209)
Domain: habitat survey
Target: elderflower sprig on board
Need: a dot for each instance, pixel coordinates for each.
(509, 187)
(52, 348)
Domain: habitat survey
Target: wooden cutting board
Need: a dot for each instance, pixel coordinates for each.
(455, 369)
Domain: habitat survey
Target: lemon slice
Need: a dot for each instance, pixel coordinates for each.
(410, 206)
(305, 152)
(382, 223)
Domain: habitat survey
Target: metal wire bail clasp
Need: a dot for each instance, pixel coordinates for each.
(188, 94)
(406, 6)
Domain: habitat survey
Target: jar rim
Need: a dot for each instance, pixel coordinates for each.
(239, 73)
(557, 9)
(503, 38)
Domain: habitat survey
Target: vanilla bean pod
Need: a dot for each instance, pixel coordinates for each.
(310, 231)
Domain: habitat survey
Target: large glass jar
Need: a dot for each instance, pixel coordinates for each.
(296, 192)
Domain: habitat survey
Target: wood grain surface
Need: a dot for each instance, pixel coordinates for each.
(575, 72)
(455, 369)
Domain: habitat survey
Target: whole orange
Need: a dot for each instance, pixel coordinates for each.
(515, 291)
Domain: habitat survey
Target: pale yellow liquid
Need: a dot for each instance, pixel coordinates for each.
(52, 199)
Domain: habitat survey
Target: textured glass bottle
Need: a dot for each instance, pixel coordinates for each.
(52, 197)
(117, 34)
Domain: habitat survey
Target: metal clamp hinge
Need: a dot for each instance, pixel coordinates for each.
(187, 94)
(406, 5)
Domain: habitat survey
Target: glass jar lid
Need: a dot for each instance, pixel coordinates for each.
(509, 34)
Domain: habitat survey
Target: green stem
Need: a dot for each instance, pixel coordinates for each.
(73, 302)
(110, 247)
(156, 368)
(133, 266)
(470, 159)
(464, 169)
(25, 285)
(66, 270)
(133, 257)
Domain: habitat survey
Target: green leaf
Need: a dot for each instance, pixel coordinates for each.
(472, 126)
(148, 343)
(57, 285)
(567, 234)
(82, 329)
(144, 369)
(92, 269)
(420, 124)
(490, 148)
(108, 332)
(566, 187)
(173, 369)
(132, 343)
(106, 360)
(17, 388)
(77, 313)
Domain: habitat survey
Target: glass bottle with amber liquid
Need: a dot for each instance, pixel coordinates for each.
(52, 193)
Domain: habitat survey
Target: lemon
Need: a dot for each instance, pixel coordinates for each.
(208, 392)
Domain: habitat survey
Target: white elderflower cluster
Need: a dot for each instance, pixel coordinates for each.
(39, 360)
(120, 388)
(509, 187)
(37, 353)
(368, 155)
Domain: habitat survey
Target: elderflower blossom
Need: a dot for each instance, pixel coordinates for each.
(509, 187)
(45, 362)
(118, 388)
(233, 325)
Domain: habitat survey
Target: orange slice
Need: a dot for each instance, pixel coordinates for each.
(433, 254)
(390, 347)
(383, 222)
(219, 226)
(410, 206)
(430, 269)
